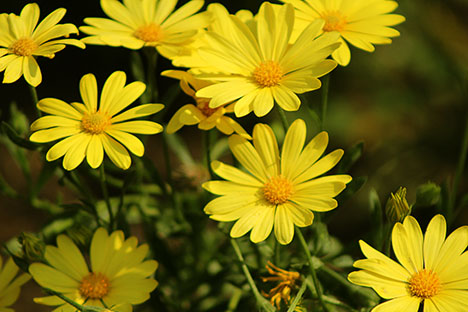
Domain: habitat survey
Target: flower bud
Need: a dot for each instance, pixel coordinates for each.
(397, 207)
(33, 247)
(427, 194)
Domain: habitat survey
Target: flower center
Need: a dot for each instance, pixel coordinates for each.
(24, 47)
(268, 74)
(424, 284)
(94, 286)
(334, 21)
(277, 190)
(150, 33)
(95, 123)
(203, 105)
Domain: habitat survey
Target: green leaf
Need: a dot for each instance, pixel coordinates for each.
(15, 138)
(350, 157)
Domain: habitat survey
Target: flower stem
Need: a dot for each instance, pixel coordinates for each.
(312, 269)
(260, 300)
(105, 193)
(298, 297)
(35, 99)
(152, 93)
(207, 143)
(64, 298)
(284, 120)
(324, 106)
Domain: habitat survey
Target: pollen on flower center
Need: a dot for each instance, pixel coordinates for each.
(203, 105)
(268, 74)
(150, 33)
(277, 190)
(94, 286)
(334, 21)
(424, 284)
(24, 47)
(95, 123)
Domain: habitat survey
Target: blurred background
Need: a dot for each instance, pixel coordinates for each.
(407, 103)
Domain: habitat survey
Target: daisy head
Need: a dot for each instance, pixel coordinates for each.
(22, 39)
(116, 276)
(362, 23)
(277, 191)
(134, 24)
(254, 64)
(431, 269)
(97, 125)
(10, 284)
(201, 113)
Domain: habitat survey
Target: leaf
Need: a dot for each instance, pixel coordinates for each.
(15, 138)
(350, 157)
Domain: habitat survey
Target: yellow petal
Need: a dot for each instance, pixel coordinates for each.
(14, 70)
(89, 92)
(323, 165)
(75, 154)
(292, 147)
(95, 152)
(284, 227)
(59, 108)
(137, 112)
(32, 72)
(235, 175)
(51, 278)
(127, 96)
(246, 154)
(116, 152)
(131, 142)
(112, 87)
(264, 141)
(138, 126)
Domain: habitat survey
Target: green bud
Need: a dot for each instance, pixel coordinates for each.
(80, 234)
(427, 194)
(397, 207)
(33, 247)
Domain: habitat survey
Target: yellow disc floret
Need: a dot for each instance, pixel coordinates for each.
(94, 286)
(150, 33)
(268, 74)
(95, 123)
(203, 104)
(24, 47)
(424, 284)
(277, 190)
(334, 21)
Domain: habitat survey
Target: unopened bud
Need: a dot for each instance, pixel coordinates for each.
(397, 207)
(427, 194)
(33, 247)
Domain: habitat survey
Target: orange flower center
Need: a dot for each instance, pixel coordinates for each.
(278, 190)
(95, 123)
(424, 284)
(268, 74)
(94, 286)
(150, 33)
(203, 105)
(334, 21)
(24, 47)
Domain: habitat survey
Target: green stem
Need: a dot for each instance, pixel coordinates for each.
(64, 298)
(312, 269)
(327, 299)
(458, 173)
(260, 300)
(105, 193)
(207, 143)
(298, 297)
(284, 120)
(152, 61)
(35, 99)
(277, 253)
(323, 112)
(167, 161)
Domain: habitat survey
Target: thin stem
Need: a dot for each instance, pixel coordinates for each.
(35, 99)
(298, 297)
(284, 120)
(207, 141)
(152, 60)
(105, 193)
(458, 173)
(324, 106)
(312, 269)
(260, 300)
(167, 161)
(64, 298)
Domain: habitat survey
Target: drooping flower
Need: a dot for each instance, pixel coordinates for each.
(287, 283)
(21, 41)
(201, 114)
(432, 269)
(362, 23)
(138, 23)
(255, 64)
(118, 276)
(90, 129)
(10, 284)
(278, 191)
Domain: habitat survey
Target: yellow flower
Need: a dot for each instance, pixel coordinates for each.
(207, 118)
(277, 192)
(254, 63)
(286, 284)
(139, 23)
(21, 41)
(432, 269)
(90, 129)
(362, 23)
(10, 284)
(118, 276)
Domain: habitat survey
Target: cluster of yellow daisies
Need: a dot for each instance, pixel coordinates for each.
(237, 64)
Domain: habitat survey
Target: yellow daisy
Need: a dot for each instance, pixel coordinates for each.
(10, 284)
(21, 41)
(88, 130)
(139, 23)
(117, 276)
(279, 191)
(432, 270)
(207, 118)
(254, 63)
(362, 23)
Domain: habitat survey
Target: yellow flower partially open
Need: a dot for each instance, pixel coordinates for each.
(90, 129)
(278, 191)
(21, 41)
